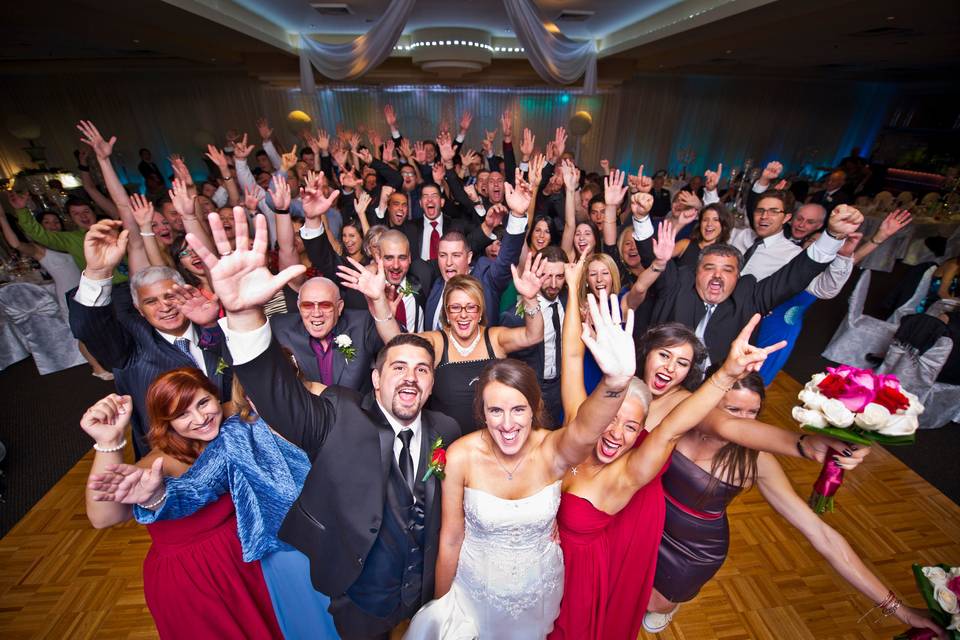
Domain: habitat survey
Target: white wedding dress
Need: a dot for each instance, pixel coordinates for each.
(509, 579)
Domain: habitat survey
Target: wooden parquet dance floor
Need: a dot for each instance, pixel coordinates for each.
(60, 578)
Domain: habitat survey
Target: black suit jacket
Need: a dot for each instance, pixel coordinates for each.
(338, 515)
(828, 202)
(122, 340)
(677, 300)
(355, 374)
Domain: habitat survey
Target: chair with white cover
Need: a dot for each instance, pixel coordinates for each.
(38, 321)
(918, 373)
(859, 335)
(922, 289)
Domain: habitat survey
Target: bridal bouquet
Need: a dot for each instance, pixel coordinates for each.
(859, 406)
(940, 587)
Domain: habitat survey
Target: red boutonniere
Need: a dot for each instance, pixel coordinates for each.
(438, 460)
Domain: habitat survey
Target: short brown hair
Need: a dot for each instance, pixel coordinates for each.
(517, 375)
(168, 397)
(409, 339)
(469, 285)
(726, 223)
(785, 197)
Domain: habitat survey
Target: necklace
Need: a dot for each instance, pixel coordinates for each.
(465, 351)
(507, 471)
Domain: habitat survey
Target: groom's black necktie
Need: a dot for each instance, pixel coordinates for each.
(752, 250)
(406, 460)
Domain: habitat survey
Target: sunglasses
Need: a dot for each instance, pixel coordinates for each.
(307, 305)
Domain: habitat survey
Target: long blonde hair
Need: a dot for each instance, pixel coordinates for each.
(614, 274)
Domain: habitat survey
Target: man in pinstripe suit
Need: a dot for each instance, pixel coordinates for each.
(151, 328)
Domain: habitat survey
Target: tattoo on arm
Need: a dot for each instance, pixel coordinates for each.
(613, 394)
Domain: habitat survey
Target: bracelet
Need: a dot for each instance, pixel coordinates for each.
(827, 231)
(888, 606)
(147, 234)
(119, 447)
(83, 167)
(800, 446)
(713, 381)
(153, 505)
(387, 319)
(281, 210)
(873, 240)
(656, 270)
(530, 312)
(227, 177)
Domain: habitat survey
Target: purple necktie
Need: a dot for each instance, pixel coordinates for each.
(324, 359)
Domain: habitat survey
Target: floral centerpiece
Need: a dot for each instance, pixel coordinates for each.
(940, 587)
(858, 406)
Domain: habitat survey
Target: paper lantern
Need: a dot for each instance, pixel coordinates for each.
(23, 127)
(580, 123)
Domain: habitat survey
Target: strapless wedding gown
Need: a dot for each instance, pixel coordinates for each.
(509, 579)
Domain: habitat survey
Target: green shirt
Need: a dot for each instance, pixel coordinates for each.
(64, 241)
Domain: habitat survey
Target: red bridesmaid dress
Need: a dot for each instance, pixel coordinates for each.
(196, 583)
(609, 564)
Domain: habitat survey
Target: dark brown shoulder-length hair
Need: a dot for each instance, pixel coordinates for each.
(673, 334)
(169, 396)
(726, 224)
(519, 376)
(734, 464)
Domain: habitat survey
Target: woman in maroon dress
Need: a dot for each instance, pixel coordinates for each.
(195, 581)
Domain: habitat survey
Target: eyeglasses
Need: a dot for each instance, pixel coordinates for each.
(457, 309)
(408, 174)
(759, 211)
(315, 307)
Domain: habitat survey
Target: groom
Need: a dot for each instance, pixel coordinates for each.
(366, 519)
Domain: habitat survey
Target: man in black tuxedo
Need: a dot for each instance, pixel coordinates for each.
(544, 357)
(367, 517)
(834, 192)
(716, 301)
(148, 329)
(661, 197)
(316, 334)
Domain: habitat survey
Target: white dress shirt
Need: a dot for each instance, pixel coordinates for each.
(248, 345)
(414, 319)
(191, 335)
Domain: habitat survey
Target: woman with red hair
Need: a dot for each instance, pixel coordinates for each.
(195, 581)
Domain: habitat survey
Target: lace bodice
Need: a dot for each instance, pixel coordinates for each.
(508, 557)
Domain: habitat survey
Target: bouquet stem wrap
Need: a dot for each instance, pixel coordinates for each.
(827, 484)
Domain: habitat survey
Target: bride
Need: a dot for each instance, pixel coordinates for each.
(499, 570)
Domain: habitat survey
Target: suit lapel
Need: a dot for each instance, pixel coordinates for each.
(384, 432)
(339, 360)
(427, 438)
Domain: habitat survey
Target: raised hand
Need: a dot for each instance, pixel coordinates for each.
(438, 172)
(218, 158)
(323, 141)
(664, 243)
(506, 125)
(405, 149)
(129, 484)
(527, 141)
(711, 179)
(240, 276)
(612, 343)
(494, 216)
(389, 154)
(644, 183)
(315, 205)
(365, 156)
(280, 193)
(106, 421)
(536, 169)
(263, 128)
(349, 180)
(640, 204)
(420, 152)
(363, 201)
(390, 116)
(518, 195)
(93, 139)
(242, 150)
(354, 141)
(251, 198)
(894, 222)
(375, 140)
(445, 146)
(743, 357)
(142, 210)
(195, 306)
(529, 284)
(181, 198)
(770, 173)
(613, 189)
(573, 272)
(560, 141)
(104, 246)
(465, 121)
(180, 170)
(468, 157)
(289, 159)
(385, 192)
(471, 192)
(339, 156)
(605, 166)
(359, 278)
(571, 175)
(691, 208)
(844, 220)
(850, 244)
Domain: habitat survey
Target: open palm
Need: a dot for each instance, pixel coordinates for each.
(612, 343)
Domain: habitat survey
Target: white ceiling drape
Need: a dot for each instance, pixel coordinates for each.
(350, 60)
(555, 57)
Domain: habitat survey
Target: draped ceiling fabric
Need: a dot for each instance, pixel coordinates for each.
(351, 60)
(556, 58)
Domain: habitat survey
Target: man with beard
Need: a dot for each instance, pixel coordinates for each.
(368, 517)
(544, 358)
(716, 301)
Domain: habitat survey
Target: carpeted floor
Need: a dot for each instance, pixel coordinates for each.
(39, 417)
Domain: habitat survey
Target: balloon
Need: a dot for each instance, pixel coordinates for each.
(298, 120)
(580, 123)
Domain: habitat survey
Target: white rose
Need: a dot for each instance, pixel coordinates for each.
(343, 341)
(953, 573)
(916, 407)
(836, 413)
(936, 575)
(809, 417)
(817, 378)
(873, 417)
(812, 398)
(954, 622)
(946, 599)
(899, 425)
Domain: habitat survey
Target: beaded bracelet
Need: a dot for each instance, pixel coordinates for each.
(719, 386)
(119, 447)
(153, 505)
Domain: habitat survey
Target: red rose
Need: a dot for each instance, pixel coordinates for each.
(954, 585)
(833, 385)
(439, 457)
(891, 399)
